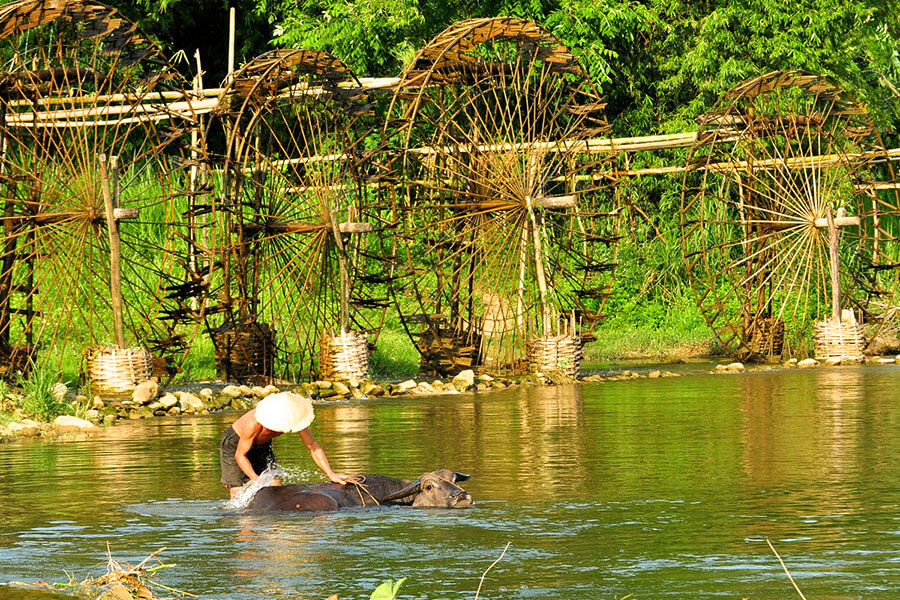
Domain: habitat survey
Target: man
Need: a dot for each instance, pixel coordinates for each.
(246, 448)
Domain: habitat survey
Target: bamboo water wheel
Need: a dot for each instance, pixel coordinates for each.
(789, 215)
(90, 113)
(298, 251)
(503, 232)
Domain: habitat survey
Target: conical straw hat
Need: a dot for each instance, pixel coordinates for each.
(285, 411)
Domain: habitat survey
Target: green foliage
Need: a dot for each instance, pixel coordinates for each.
(387, 590)
(39, 400)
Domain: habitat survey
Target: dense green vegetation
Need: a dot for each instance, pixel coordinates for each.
(659, 63)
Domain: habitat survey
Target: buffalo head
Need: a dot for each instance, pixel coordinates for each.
(435, 490)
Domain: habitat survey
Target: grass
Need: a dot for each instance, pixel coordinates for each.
(395, 356)
(39, 400)
(674, 331)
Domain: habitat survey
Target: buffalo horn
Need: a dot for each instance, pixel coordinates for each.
(460, 476)
(409, 490)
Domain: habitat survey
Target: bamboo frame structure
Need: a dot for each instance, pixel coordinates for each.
(495, 202)
(296, 243)
(500, 234)
(82, 87)
(781, 171)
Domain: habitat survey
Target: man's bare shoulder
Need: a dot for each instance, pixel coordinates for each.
(247, 425)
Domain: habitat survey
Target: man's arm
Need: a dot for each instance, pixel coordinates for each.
(318, 455)
(243, 447)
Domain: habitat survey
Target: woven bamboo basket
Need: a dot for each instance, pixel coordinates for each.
(839, 339)
(555, 354)
(767, 337)
(344, 356)
(244, 351)
(114, 370)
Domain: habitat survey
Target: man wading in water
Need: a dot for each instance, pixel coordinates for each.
(246, 449)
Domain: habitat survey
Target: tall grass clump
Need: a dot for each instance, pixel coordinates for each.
(38, 399)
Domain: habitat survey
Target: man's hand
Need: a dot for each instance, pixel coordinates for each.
(341, 478)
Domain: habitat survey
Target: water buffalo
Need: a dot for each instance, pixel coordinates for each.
(432, 490)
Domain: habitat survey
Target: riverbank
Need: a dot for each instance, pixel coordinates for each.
(87, 415)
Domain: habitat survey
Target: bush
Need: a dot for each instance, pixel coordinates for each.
(39, 399)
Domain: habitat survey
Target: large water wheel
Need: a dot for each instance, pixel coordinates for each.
(789, 215)
(503, 227)
(90, 112)
(298, 254)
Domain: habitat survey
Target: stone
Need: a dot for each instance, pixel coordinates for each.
(272, 389)
(654, 374)
(464, 380)
(353, 381)
(341, 389)
(22, 429)
(206, 392)
(245, 390)
(885, 360)
(323, 385)
(70, 423)
(481, 387)
(327, 392)
(721, 368)
(593, 378)
(832, 361)
(168, 401)
(59, 390)
(357, 394)
(109, 419)
(190, 403)
(485, 377)
(92, 415)
(145, 392)
(375, 392)
(368, 387)
(232, 391)
(736, 367)
(309, 389)
(671, 374)
(438, 385)
(156, 405)
(97, 402)
(807, 363)
(405, 386)
(174, 411)
(425, 388)
(239, 404)
(897, 359)
(499, 385)
(259, 391)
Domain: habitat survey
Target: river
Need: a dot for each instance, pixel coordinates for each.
(652, 487)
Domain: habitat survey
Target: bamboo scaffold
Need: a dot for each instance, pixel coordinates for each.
(87, 192)
(297, 251)
(789, 215)
(502, 240)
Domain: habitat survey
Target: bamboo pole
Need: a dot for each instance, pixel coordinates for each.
(115, 251)
(833, 241)
(231, 20)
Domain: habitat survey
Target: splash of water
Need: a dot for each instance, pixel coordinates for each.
(265, 479)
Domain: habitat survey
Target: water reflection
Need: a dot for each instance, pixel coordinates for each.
(646, 487)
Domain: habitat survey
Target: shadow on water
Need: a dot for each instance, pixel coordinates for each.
(665, 487)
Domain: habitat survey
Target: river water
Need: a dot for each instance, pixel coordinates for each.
(652, 487)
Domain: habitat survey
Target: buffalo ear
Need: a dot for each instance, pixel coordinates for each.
(460, 476)
(414, 488)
